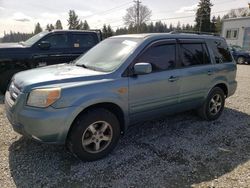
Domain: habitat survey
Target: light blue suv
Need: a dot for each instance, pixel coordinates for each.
(88, 104)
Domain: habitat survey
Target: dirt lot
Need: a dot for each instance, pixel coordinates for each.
(176, 151)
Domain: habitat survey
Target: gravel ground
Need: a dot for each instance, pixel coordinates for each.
(176, 151)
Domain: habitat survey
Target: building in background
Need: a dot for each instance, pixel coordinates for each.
(236, 31)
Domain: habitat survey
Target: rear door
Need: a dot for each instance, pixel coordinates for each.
(81, 42)
(197, 72)
(155, 93)
(225, 67)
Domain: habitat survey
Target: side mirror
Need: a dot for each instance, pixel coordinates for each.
(44, 45)
(142, 68)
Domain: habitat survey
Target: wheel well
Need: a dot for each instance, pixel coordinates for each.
(115, 109)
(223, 87)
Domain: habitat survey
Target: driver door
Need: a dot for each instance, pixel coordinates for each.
(58, 52)
(156, 93)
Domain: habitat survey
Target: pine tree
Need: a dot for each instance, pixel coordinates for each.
(58, 24)
(218, 24)
(178, 27)
(85, 25)
(188, 27)
(203, 15)
(73, 21)
(38, 28)
(49, 27)
(171, 27)
(109, 31)
(52, 27)
(151, 27)
(80, 27)
(131, 29)
(104, 31)
(213, 25)
(143, 28)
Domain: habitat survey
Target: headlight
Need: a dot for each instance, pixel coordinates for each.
(43, 97)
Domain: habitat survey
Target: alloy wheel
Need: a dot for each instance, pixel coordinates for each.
(215, 104)
(97, 137)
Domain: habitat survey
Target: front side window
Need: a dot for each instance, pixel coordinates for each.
(35, 38)
(58, 40)
(161, 57)
(193, 54)
(83, 40)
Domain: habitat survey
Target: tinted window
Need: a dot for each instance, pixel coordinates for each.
(83, 40)
(161, 57)
(58, 41)
(221, 51)
(194, 54)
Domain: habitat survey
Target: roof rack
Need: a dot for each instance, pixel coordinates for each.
(194, 32)
(95, 30)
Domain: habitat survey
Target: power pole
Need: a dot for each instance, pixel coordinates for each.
(137, 15)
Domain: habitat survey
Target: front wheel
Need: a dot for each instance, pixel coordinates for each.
(94, 134)
(214, 105)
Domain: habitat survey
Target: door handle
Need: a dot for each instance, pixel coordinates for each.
(210, 72)
(173, 78)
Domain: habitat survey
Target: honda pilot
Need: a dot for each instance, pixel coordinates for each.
(88, 104)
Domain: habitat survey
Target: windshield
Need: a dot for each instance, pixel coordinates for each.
(35, 38)
(108, 55)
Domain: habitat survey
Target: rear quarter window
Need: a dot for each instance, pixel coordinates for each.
(221, 51)
(84, 40)
(193, 54)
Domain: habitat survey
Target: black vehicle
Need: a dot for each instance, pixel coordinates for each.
(240, 55)
(45, 48)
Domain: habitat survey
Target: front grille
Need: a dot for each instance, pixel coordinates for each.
(14, 91)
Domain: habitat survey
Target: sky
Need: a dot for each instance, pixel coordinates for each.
(22, 15)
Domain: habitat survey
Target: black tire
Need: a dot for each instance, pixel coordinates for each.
(205, 110)
(81, 128)
(241, 60)
(5, 79)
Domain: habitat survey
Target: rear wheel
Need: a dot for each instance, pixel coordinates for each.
(94, 134)
(214, 105)
(5, 79)
(241, 60)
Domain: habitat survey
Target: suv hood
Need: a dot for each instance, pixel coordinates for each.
(54, 75)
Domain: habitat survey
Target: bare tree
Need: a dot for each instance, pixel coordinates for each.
(132, 13)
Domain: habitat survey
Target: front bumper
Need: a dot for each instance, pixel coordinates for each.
(48, 125)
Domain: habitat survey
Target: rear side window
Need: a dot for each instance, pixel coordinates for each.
(83, 40)
(193, 54)
(161, 57)
(221, 51)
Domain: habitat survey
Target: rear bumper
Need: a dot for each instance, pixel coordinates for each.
(45, 125)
